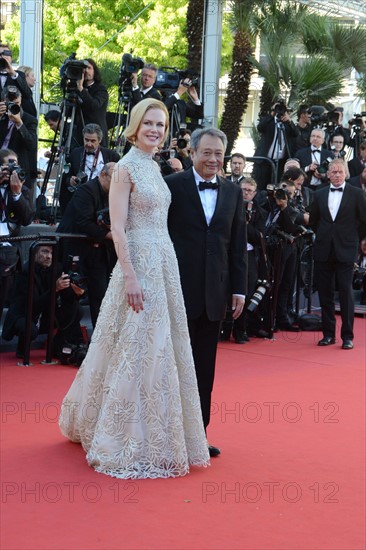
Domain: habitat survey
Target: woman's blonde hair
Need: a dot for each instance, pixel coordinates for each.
(26, 70)
(138, 113)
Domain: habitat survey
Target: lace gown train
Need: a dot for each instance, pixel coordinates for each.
(134, 404)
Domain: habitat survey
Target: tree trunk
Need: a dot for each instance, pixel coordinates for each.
(236, 100)
(194, 32)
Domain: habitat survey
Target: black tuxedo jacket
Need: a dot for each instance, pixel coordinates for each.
(151, 94)
(355, 167)
(343, 233)
(21, 83)
(305, 157)
(24, 143)
(18, 212)
(212, 258)
(77, 163)
(77, 159)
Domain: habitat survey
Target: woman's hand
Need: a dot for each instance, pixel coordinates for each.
(135, 294)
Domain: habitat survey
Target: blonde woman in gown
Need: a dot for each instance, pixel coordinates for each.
(134, 404)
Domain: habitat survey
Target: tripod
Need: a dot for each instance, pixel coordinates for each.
(280, 144)
(122, 118)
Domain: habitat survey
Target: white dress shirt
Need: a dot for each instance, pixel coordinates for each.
(334, 200)
(208, 197)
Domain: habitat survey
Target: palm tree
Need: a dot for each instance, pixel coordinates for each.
(236, 100)
(194, 32)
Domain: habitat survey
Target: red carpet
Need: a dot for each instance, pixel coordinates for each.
(289, 418)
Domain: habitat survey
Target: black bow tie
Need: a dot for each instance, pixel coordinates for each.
(316, 151)
(91, 153)
(202, 185)
(336, 189)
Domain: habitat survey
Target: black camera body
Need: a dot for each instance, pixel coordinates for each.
(73, 354)
(10, 168)
(103, 217)
(359, 278)
(129, 66)
(80, 178)
(3, 63)
(12, 107)
(323, 167)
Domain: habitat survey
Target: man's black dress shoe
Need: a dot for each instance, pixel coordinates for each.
(241, 337)
(326, 341)
(214, 451)
(347, 344)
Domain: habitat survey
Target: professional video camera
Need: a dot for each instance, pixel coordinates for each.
(169, 78)
(319, 115)
(129, 66)
(71, 71)
(9, 168)
(357, 122)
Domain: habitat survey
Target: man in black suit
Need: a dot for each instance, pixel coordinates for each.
(358, 164)
(18, 132)
(15, 211)
(147, 90)
(336, 215)
(207, 227)
(277, 130)
(11, 77)
(94, 102)
(311, 158)
(97, 256)
(85, 162)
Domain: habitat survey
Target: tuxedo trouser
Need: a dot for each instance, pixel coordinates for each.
(204, 334)
(327, 274)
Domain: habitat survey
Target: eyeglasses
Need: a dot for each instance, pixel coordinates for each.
(6, 52)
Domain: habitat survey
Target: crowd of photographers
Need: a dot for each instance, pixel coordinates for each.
(291, 165)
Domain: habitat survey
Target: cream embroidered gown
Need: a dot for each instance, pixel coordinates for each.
(134, 404)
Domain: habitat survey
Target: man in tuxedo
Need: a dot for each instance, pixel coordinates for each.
(97, 256)
(147, 90)
(93, 102)
(311, 158)
(11, 77)
(207, 227)
(18, 132)
(85, 162)
(336, 215)
(358, 164)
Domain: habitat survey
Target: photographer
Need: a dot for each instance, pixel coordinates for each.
(302, 197)
(277, 130)
(179, 109)
(93, 97)
(11, 77)
(97, 256)
(182, 150)
(358, 164)
(314, 160)
(337, 146)
(237, 166)
(282, 230)
(18, 131)
(15, 211)
(304, 128)
(148, 79)
(335, 127)
(67, 309)
(85, 162)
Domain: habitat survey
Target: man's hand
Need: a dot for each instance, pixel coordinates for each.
(285, 118)
(80, 83)
(183, 86)
(134, 80)
(193, 94)
(17, 119)
(62, 282)
(237, 305)
(8, 67)
(15, 184)
(3, 108)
